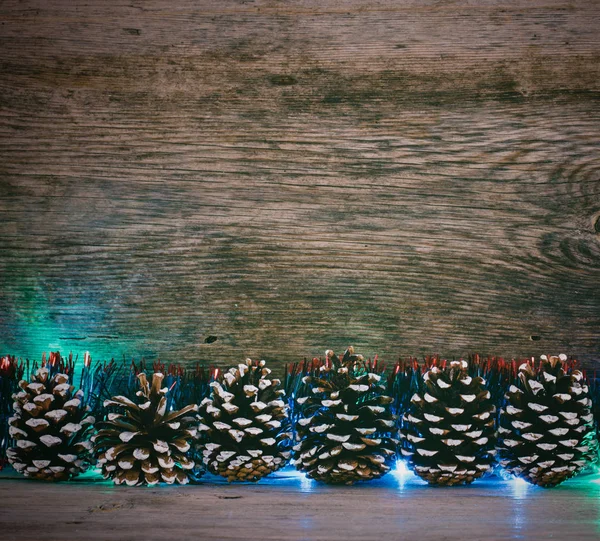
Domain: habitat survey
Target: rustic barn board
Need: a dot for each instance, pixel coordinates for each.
(288, 508)
(207, 180)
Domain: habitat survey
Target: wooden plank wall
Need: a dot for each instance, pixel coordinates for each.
(210, 179)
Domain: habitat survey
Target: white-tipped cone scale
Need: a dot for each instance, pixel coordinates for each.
(143, 444)
(546, 430)
(51, 428)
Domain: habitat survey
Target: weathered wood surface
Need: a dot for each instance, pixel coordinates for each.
(281, 508)
(409, 177)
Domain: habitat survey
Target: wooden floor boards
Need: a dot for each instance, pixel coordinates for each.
(289, 507)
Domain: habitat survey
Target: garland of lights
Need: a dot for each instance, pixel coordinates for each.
(451, 421)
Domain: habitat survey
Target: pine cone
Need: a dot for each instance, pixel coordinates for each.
(143, 443)
(546, 432)
(346, 432)
(51, 429)
(448, 431)
(245, 425)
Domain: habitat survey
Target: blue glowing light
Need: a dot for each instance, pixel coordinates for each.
(519, 488)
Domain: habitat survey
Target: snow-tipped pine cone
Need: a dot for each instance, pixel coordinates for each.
(143, 443)
(346, 431)
(51, 427)
(448, 432)
(546, 428)
(244, 425)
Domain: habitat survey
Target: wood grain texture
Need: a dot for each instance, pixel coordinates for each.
(289, 176)
(286, 507)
